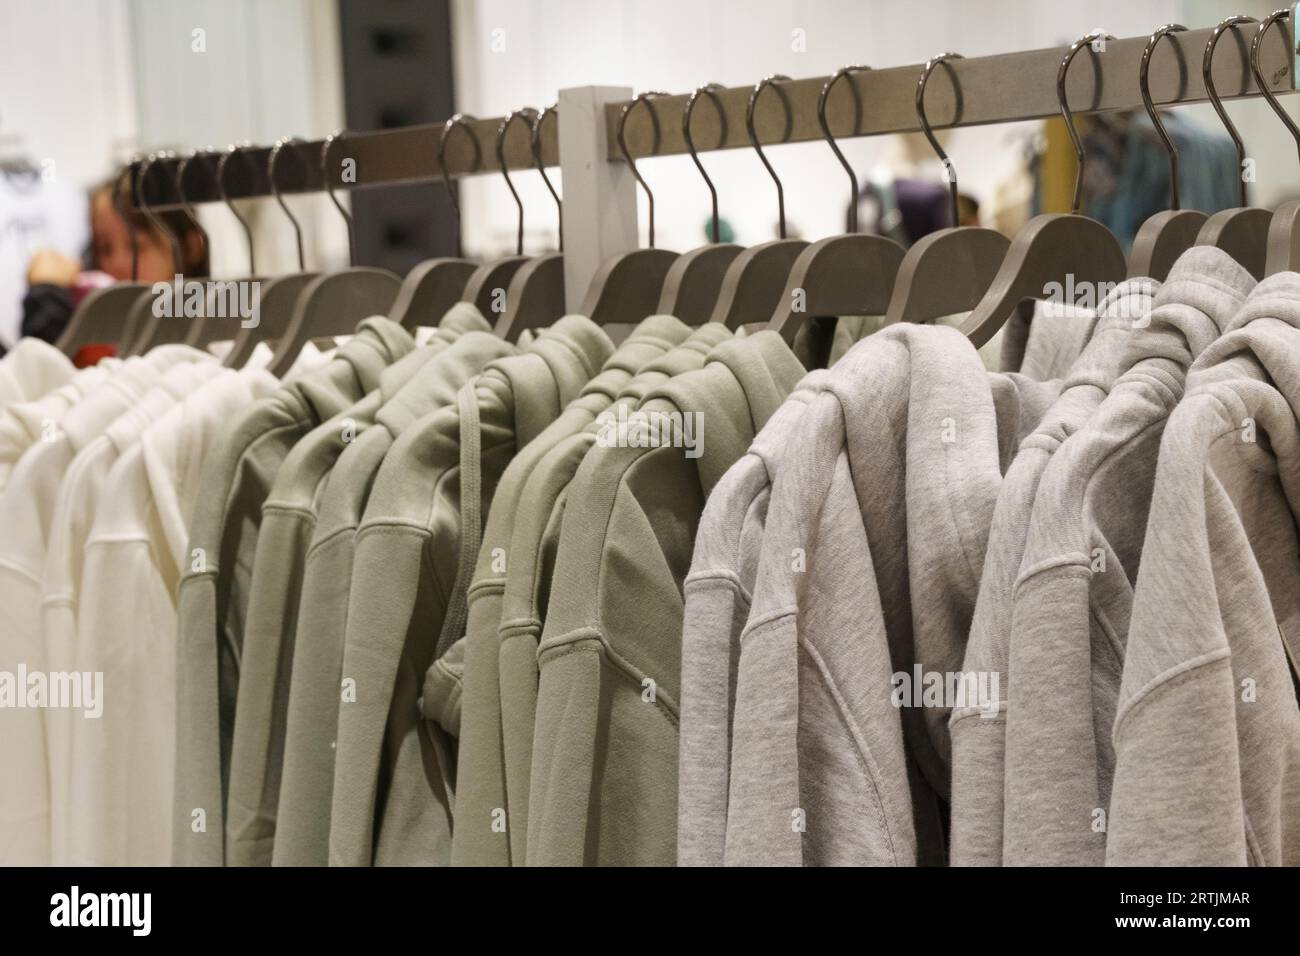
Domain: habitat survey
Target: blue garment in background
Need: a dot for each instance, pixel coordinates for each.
(1126, 180)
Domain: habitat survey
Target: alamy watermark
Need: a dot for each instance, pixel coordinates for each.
(1089, 296)
(209, 299)
(56, 690)
(653, 428)
(953, 689)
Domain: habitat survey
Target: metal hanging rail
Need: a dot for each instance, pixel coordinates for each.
(1003, 88)
(386, 157)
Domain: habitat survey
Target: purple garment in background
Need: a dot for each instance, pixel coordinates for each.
(925, 206)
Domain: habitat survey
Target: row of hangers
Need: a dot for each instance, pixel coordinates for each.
(961, 269)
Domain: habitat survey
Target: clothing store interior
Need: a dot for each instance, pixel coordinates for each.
(679, 433)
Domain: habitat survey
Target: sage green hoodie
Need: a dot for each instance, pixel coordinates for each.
(480, 838)
(302, 831)
(512, 689)
(604, 770)
(1207, 728)
(213, 600)
(288, 518)
(393, 770)
(1073, 596)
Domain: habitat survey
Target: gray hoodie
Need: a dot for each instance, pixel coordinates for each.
(869, 565)
(718, 592)
(1207, 729)
(1072, 599)
(977, 732)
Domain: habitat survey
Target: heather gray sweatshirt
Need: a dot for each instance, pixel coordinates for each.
(718, 592)
(977, 732)
(1072, 599)
(1207, 730)
(870, 563)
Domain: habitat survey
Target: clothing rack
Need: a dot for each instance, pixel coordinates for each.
(599, 212)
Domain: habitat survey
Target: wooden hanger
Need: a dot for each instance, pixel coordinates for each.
(947, 271)
(277, 300)
(755, 278)
(628, 287)
(332, 304)
(1061, 251)
(487, 284)
(144, 329)
(1282, 251)
(1166, 235)
(277, 295)
(535, 297)
(691, 287)
(105, 316)
(852, 274)
(1241, 232)
(200, 334)
(429, 289)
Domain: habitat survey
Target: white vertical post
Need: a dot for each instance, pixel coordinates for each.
(599, 215)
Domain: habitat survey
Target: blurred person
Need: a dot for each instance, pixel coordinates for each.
(56, 283)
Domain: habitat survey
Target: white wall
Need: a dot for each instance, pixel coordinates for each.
(66, 86)
(268, 68)
(676, 45)
(87, 83)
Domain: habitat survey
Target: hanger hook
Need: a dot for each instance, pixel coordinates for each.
(325, 147)
(188, 206)
(235, 149)
(710, 90)
(536, 144)
(949, 169)
(830, 139)
(527, 114)
(771, 80)
(1207, 73)
(161, 226)
(1144, 83)
(125, 213)
(1268, 94)
(627, 156)
(461, 120)
(275, 191)
(1075, 47)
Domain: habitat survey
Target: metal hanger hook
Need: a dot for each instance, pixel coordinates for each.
(188, 206)
(275, 191)
(1207, 74)
(710, 90)
(1075, 47)
(1271, 97)
(536, 144)
(773, 80)
(326, 176)
(462, 121)
(830, 139)
(232, 150)
(949, 168)
(120, 206)
(528, 115)
(627, 156)
(177, 259)
(1144, 84)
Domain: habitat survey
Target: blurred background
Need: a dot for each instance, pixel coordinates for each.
(86, 84)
